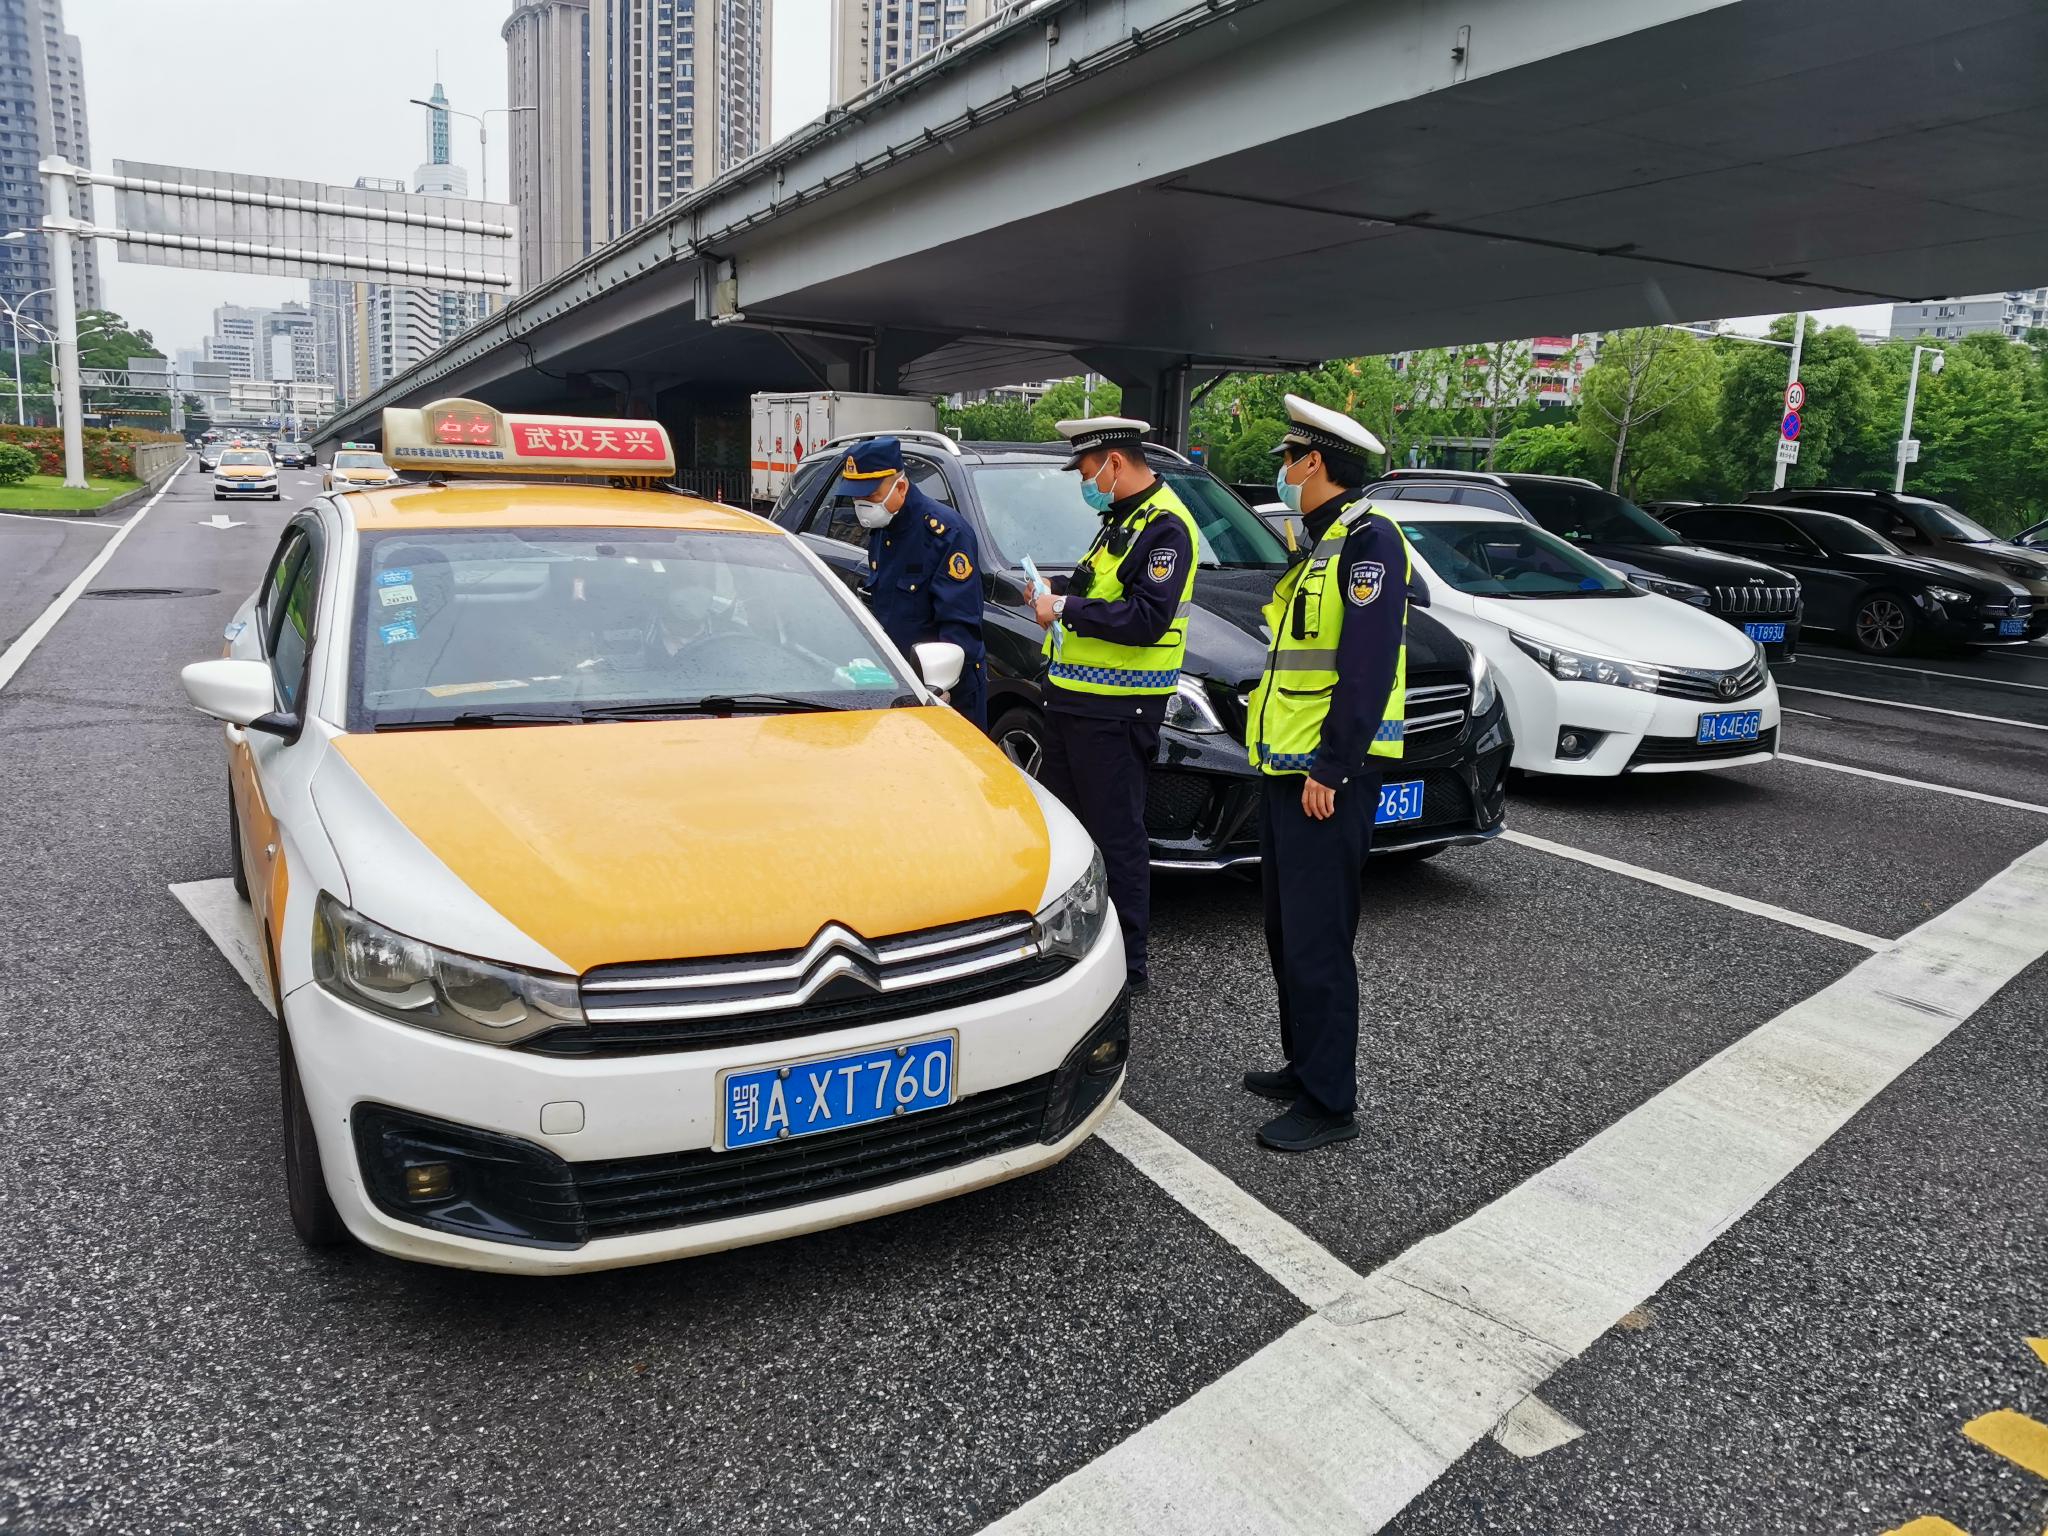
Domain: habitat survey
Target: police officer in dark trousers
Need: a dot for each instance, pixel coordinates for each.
(1113, 646)
(1324, 720)
(924, 569)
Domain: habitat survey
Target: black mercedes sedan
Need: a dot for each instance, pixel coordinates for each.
(1201, 805)
(1762, 600)
(1861, 587)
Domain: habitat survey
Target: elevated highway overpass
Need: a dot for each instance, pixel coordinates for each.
(1164, 189)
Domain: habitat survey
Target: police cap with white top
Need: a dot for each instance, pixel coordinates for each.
(1101, 434)
(1317, 427)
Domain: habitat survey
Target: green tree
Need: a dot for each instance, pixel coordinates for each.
(1843, 439)
(990, 421)
(105, 340)
(1069, 399)
(1552, 449)
(1647, 411)
(1983, 426)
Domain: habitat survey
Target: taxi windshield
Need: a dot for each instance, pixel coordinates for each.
(490, 626)
(244, 456)
(1036, 509)
(359, 461)
(1499, 558)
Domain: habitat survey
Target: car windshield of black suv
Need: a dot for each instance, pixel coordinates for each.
(1948, 523)
(1499, 558)
(1589, 516)
(1036, 509)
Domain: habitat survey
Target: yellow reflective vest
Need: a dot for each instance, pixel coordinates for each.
(1086, 664)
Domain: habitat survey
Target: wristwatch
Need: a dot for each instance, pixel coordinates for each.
(1059, 609)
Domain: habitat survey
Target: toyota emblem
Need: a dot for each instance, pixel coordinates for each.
(1726, 687)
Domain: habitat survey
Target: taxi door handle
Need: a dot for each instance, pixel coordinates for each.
(270, 850)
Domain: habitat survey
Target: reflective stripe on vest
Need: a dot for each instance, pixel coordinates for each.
(1284, 727)
(1085, 664)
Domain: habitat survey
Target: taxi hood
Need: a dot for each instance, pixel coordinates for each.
(672, 839)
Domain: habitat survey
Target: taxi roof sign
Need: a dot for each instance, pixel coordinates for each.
(469, 437)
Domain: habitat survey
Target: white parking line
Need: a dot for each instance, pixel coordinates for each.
(26, 642)
(1955, 677)
(1892, 778)
(1787, 709)
(1355, 1411)
(227, 920)
(1776, 914)
(62, 522)
(1925, 709)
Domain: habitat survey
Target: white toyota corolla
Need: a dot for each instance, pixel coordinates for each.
(1600, 676)
(623, 892)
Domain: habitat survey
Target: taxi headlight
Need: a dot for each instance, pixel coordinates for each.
(1575, 667)
(1073, 922)
(1484, 689)
(401, 978)
(1189, 709)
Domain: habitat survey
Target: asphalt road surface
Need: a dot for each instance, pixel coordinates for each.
(1701, 1186)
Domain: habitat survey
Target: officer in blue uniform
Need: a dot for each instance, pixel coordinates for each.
(924, 569)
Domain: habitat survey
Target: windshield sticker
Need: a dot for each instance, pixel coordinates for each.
(392, 634)
(396, 597)
(449, 690)
(397, 576)
(865, 673)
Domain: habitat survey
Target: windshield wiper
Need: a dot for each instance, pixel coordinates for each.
(478, 717)
(711, 704)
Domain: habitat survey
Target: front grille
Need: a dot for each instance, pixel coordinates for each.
(1769, 602)
(1446, 800)
(642, 1194)
(2016, 608)
(1679, 749)
(1174, 802)
(1438, 706)
(1690, 683)
(836, 981)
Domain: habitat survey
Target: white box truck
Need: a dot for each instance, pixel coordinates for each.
(786, 427)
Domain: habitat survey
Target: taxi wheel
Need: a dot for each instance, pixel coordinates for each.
(1021, 734)
(314, 1217)
(237, 868)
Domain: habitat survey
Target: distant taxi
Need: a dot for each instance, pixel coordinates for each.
(245, 472)
(624, 893)
(355, 465)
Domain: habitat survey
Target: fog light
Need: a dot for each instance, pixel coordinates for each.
(1574, 742)
(428, 1181)
(1108, 1055)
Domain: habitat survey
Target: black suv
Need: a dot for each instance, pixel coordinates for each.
(1201, 805)
(1761, 600)
(1923, 527)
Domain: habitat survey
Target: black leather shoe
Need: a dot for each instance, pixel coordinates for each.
(1137, 986)
(1304, 1128)
(1282, 1085)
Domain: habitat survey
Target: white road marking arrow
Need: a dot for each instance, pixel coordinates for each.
(220, 520)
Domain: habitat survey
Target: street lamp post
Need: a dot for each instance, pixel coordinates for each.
(483, 145)
(1912, 394)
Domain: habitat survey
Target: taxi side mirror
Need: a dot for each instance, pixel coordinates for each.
(238, 692)
(939, 663)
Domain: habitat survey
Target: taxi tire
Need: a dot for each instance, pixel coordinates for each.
(314, 1217)
(238, 871)
(1020, 732)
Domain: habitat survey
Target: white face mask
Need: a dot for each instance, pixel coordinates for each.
(876, 513)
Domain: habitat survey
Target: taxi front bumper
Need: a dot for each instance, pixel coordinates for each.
(382, 1095)
(265, 488)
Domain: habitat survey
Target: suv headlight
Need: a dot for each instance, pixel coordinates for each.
(1576, 667)
(416, 983)
(1071, 924)
(1484, 690)
(1949, 595)
(1684, 591)
(1190, 708)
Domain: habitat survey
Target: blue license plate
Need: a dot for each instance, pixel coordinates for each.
(1399, 802)
(1730, 725)
(808, 1098)
(1765, 634)
(2012, 626)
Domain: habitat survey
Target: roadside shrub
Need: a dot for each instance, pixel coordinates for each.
(16, 464)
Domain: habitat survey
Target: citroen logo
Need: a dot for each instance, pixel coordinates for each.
(1727, 686)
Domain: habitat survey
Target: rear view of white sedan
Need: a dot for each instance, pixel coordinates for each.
(1600, 677)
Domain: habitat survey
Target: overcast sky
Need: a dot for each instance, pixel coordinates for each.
(317, 89)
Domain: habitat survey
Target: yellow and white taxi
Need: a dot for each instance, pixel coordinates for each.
(356, 465)
(624, 893)
(244, 472)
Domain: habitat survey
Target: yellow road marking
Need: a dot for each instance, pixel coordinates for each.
(2039, 1347)
(2019, 1439)
(1927, 1525)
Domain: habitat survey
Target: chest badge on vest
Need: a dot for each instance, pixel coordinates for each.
(1160, 566)
(1367, 579)
(959, 567)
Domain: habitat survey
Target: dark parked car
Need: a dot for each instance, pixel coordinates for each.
(1759, 599)
(1923, 527)
(2035, 537)
(294, 455)
(1201, 804)
(1861, 586)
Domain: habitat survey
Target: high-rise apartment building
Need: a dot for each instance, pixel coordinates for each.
(872, 39)
(42, 112)
(557, 180)
(684, 99)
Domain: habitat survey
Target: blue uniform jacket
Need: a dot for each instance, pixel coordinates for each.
(924, 583)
